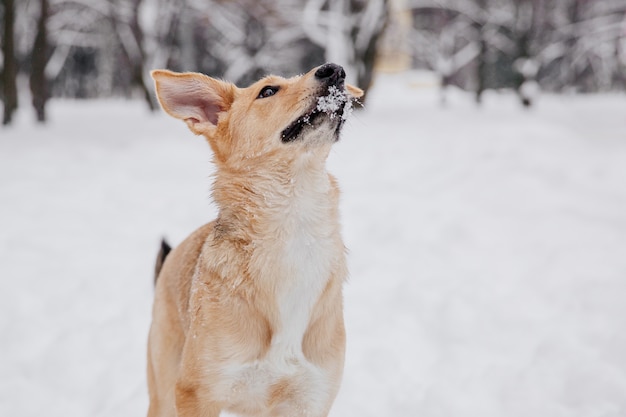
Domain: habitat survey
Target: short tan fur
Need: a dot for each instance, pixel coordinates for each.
(248, 314)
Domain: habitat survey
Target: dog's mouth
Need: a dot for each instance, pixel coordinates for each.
(334, 106)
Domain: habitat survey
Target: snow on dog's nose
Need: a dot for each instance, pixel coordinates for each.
(330, 105)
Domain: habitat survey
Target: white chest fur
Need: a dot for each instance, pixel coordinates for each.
(299, 255)
(307, 253)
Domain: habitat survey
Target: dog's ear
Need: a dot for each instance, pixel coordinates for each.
(194, 98)
(355, 92)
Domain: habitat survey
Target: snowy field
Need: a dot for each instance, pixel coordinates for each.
(487, 254)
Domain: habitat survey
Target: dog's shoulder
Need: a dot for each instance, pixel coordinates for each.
(179, 267)
(185, 256)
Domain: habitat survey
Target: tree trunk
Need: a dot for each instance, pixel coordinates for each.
(139, 65)
(133, 49)
(38, 82)
(366, 57)
(481, 66)
(9, 72)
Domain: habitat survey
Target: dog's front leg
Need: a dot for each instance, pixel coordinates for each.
(189, 402)
(192, 397)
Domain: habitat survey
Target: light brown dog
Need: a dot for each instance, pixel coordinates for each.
(248, 309)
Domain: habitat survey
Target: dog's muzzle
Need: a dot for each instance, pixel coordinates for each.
(331, 103)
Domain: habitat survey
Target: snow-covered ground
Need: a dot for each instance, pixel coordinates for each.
(487, 254)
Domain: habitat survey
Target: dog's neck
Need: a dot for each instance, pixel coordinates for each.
(270, 192)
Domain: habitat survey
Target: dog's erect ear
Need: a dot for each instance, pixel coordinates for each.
(195, 98)
(355, 92)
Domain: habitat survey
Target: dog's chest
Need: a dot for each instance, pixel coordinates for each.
(297, 261)
(296, 257)
(305, 259)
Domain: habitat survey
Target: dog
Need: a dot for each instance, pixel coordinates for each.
(248, 310)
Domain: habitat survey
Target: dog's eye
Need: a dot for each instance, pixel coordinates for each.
(268, 91)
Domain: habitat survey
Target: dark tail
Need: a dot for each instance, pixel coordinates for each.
(163, 252)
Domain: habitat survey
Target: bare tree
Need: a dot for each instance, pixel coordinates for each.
(97, 49)
(9, 70)
(239, 40)
(348, 30)
(481, 55)
(93, 48)
(521, 44)
(124, 18)
(448, 37)
(40, 53)
(587, 46)
(84, 51)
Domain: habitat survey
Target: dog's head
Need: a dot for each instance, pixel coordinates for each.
(269, 117)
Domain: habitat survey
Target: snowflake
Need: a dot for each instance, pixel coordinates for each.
(334, 101)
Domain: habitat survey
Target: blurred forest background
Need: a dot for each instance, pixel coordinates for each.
(105, 48)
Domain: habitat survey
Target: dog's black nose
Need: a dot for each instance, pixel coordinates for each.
(331, 73)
